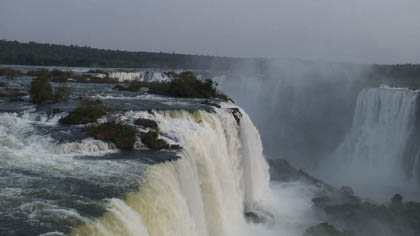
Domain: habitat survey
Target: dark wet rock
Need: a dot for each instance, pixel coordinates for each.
(346, 190)
(321, 201)
(146, 123)
(259, 216)
(236, 114)
(324, 229)
(146, 156)
(365, 218)
(123, 136)
(175, 147)
(254, 218)
(3, 84)
(207, 102)
(281, 170)
(89, 111)
(151, 140)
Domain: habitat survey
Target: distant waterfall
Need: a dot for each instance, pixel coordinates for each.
(375, 147)
(220, 175)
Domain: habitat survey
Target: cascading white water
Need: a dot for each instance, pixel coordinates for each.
(221, 174)
(373, 150)
(221, 171)
(139, 76)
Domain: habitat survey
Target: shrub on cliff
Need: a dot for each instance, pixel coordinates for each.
(88, 112)
(123, 136)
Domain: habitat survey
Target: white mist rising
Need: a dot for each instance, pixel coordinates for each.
(371, 157)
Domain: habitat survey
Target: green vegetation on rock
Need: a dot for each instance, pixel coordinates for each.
(146, 123)
(41, 91)
(88, 112)
(123, 136)
(183, 85)
(62, 93)
(151, 140)
(10, 73)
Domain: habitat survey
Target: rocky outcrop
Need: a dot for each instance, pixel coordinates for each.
(356, 216)
(236, 114)
(151, 140)
(281, 170)
(123, 136)
(88, 112)
(147, 123)
(209, 103)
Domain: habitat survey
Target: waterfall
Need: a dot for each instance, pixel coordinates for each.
(220, 175)
(373, 152)
(144, 76)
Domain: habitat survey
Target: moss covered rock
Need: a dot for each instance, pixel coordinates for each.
(185, 85)
(146, 123)
(151, 140)
(88, 112)
(123, 136)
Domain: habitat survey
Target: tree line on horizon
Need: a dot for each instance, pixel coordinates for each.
(43, 54)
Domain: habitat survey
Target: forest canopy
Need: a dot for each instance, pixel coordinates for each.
(40, 54)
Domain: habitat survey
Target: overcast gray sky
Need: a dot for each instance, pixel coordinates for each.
(379, 31)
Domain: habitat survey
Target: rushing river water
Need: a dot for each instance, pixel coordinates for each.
(56, 180)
